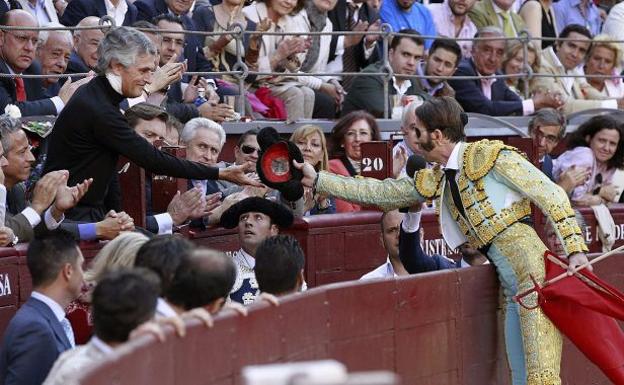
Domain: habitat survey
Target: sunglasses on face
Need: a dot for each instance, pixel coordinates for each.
(247, 150)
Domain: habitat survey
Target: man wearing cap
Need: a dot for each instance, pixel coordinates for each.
(256, 219)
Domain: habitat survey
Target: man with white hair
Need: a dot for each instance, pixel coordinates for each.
(86, 41)
(91, 133)
(53, 53)
(406, 147)
(204, 140)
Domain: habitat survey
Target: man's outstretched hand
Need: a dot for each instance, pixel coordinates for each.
(309, 173)
(238, 174)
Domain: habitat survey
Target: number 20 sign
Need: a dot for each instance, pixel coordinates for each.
(377, 159)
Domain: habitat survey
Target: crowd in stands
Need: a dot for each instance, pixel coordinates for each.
(130, 93)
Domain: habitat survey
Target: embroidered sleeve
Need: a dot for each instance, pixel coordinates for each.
(386, 194)
(527, 180)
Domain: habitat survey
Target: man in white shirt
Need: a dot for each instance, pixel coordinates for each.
(256, 219)
(39, 332)
(390, 224)
(122, 301)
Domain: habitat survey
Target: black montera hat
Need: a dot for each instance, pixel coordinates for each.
(280, 215)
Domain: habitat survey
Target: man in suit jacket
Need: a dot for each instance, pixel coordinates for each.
(124, 12)
(566, 57)
(39, 332)
(366, 93)
(17, 53)
(122, 301)
(44, 13)
(360, 51)
(49, 196)
(91, 133)
(492, 96)
(84, 56)
(53, 53)
(149, 9)
(497, 13)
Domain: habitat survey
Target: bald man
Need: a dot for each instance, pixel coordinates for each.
(84, 56)
(17, 51)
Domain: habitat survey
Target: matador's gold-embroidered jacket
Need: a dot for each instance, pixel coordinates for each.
(496, 185)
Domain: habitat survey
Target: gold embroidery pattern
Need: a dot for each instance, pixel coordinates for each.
(542, 341)
(428, 182)
(480, 157)
(550, 198)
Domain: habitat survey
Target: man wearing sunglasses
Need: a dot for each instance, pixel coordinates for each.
(246, 150)
(17, 51)
(547, 128)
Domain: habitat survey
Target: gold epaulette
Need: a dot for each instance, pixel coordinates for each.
(428, 182)
(479, 157)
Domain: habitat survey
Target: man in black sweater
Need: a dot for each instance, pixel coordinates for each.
(91, 132)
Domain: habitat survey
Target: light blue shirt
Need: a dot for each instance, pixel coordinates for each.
(418, 18)
(39, 11)
(569, 12)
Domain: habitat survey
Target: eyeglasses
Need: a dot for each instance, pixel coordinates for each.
(24, 39)
(247, 150)
(538, 134)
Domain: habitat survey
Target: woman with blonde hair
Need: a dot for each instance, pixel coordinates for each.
(311, 141)
(603, 60)
(513, 64)
(116, 254)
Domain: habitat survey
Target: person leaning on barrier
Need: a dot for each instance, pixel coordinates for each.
(17, 51)
(547, 127)
(366, 92)
(122, 302)
(563, 58)
(53, 53)
(442, 60)
(487, 182)
(279, 266)
(493, 96)
(123, 12)
(91, 134)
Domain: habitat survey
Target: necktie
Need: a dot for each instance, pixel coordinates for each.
(450, 179)
(69, 332)
(20, 91)
(507, 25)
(348, 57)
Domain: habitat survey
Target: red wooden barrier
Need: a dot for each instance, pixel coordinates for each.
(436, 328)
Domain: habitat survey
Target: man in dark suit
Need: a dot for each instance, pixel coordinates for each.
(79, 9)
(39, 332)
(493, 96)
(91, 133)
(367, 91)
(17, 53)
(6, 6)
(149, 9)
(84, 56)
(359, 51)
(178, 102)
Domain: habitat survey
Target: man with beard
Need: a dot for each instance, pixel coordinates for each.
(408, 14)
(451, 20)
(366, 92)
(484, 192)
(53, 53)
